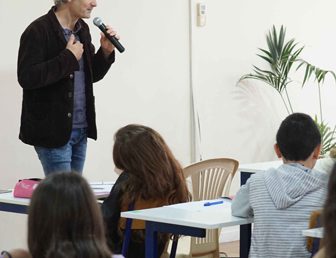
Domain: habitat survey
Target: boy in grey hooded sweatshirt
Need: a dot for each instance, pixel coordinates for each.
(281, 200)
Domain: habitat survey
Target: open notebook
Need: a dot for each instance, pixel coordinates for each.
(101, 189)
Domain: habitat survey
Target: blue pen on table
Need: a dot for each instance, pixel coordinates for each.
(213, 203)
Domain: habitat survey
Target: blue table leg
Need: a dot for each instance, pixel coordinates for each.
(15, 208)
(152, 228)
(151, 240)
(245, 240)
(245, 230)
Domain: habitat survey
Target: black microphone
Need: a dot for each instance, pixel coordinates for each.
(99, 23)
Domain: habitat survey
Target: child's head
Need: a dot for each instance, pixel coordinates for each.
(64, 218)
(329, 216)
(153, 170)
(298, 137)
(138, 145)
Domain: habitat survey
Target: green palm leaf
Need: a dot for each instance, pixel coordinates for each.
(280, 57)
(318, 74)
(327, 135)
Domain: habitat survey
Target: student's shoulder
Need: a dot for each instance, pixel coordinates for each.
(259, 175)
(122, 177)
(118, 185)
(322, 176)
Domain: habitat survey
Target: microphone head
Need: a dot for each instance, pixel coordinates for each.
(97, 21)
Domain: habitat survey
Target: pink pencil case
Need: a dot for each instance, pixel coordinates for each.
(24, 188)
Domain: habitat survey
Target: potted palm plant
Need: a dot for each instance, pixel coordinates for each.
(282, 58)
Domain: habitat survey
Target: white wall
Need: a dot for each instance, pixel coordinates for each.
(241, 121)
(150, 82)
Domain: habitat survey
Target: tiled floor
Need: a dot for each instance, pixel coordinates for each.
(229, 249)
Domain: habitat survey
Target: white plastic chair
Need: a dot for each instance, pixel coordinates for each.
(210, 179)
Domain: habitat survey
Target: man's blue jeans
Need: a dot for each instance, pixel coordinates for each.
(70, 157)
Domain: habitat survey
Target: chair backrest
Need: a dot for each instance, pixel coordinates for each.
(210, 179)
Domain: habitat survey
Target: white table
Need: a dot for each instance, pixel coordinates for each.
(184, 219)
(313, 232)
(9, 203)
(322, 165)
(259, 166)
(316, 234)
(192, 214)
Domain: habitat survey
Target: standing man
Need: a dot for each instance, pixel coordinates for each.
(57, 65)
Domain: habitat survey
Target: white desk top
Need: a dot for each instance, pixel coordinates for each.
(100, 190)
(313, 232)
(323, 165)
(193, 214)
(260, 166)
(9, 198)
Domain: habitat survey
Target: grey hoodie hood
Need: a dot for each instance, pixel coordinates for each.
(290, 182)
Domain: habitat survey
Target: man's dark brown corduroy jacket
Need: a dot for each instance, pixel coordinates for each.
(46, 74)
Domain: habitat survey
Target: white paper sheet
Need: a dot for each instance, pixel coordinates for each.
(101, 189)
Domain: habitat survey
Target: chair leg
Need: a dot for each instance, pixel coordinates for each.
(316, 246)
(174, 246)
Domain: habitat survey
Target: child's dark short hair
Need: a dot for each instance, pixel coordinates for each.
(297, 137)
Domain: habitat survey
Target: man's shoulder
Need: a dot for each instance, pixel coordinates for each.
(41, 23)
(83, 24)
